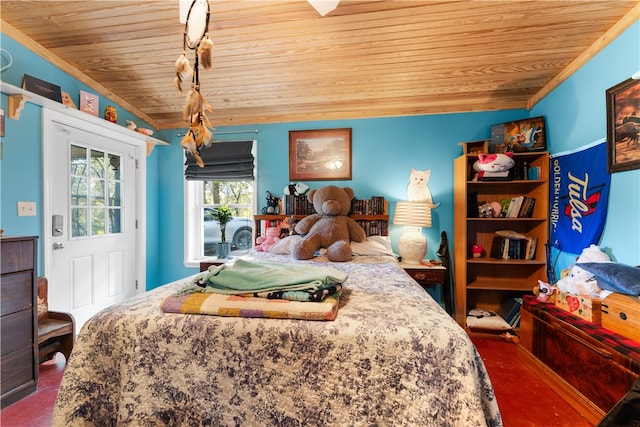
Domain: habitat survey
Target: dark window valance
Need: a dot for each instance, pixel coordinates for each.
(223, 161)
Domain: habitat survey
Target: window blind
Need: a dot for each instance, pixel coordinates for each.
(223, 161)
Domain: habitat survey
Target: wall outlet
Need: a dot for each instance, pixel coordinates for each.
(26, 208)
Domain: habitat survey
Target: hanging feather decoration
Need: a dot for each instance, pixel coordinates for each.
(189, 144)
(183, 70)
(205, 52)
(195, 105)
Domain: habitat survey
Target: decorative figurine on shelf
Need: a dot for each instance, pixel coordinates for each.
(272, 205)
(111, 114)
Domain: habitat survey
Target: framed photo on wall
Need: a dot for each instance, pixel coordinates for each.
(518, 136)
(623, 126)
(320, 155)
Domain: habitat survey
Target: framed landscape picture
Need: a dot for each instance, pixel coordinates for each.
(623, 126)
(323, 154)
(518, 136)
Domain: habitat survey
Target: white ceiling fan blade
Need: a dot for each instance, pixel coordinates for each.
(324, 6)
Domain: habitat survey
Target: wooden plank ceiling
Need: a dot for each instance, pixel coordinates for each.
(280, 61)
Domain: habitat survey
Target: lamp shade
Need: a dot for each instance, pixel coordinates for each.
(416, 214)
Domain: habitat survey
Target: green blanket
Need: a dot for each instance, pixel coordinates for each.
(246, 277)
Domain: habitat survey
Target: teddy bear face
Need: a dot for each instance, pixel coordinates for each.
(331, 200)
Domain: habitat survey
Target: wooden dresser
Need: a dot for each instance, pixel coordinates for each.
(589, 366)
(19, 323)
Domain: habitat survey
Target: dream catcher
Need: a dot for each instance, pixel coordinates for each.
(196, 37)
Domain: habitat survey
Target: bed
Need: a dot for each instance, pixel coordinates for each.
(391, 356)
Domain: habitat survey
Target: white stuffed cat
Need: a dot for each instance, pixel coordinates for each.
(418, 190)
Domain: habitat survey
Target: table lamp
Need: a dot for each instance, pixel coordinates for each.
(413, 215)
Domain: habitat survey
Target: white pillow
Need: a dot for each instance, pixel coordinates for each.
(283, 246)
(373, 245)
(485, 319)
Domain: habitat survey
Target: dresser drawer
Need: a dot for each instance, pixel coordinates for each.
(17, 332)
(17, 255)
(15, 372)
(16, 292)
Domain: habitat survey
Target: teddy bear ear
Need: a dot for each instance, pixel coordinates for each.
(349, 192)
(310, 195)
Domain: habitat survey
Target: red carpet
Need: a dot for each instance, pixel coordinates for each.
(523, 398)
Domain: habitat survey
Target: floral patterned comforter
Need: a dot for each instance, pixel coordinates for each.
(392, 357)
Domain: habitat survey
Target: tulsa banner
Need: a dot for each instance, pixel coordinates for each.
(579, 195)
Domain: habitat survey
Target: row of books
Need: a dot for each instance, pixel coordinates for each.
(300, 205)
(374, 228)
(373, 206)
(513, 248)
(518, 207)
(510, 311)
(297, 205)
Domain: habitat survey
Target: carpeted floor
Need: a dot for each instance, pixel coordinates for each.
(523, 398)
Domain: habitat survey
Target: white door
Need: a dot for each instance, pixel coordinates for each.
(92, 199)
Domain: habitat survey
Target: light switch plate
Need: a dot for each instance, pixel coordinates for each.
(26, 208)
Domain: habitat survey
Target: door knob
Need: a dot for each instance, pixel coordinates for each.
(57, 246)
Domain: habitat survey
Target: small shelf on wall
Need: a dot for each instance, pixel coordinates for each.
(19, 97)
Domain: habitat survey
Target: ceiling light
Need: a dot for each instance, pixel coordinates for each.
(324, 6)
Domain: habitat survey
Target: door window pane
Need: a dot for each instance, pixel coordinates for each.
(96, 192)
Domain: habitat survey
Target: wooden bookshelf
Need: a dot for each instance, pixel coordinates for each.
(485, 282)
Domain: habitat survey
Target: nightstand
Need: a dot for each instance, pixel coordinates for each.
(430, 275)
(204, 265)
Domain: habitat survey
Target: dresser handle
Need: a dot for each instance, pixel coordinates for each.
(600, 351)
(420, 276)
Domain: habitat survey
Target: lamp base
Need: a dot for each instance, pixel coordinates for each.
(412, 245)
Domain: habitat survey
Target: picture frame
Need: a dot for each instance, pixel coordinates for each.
(519, 136)
(89, 103)
(623, 126)
(320, 155)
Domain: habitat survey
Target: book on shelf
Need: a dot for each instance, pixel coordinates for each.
(509, 310)
(495, 176)
(513, 248)
(533, 173)
(517, 207)
(373, 206)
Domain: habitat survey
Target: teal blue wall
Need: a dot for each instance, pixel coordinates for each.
(21, 164)
(383, 153)
(576, 115)
(384, 150)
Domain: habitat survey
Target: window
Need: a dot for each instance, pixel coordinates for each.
(95, 192)
(204, 193)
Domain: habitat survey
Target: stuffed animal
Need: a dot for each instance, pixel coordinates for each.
(498, 162)
(298, 189)
(485, 210)
(264, 243)
(329, 227)
(579, 281)
(545, 292)
(272, 204)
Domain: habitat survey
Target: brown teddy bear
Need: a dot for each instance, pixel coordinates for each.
(329, 227)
